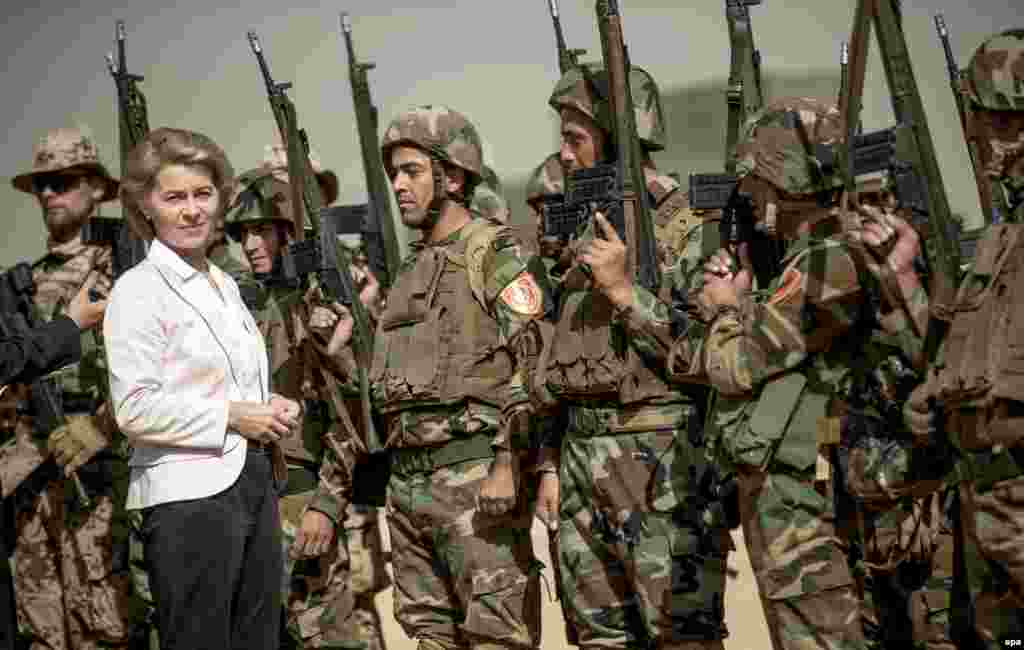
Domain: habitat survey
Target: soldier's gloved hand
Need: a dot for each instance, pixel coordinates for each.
(607, 261)
(76, 442)
(547, 498)
(314, 537)
(499, 491)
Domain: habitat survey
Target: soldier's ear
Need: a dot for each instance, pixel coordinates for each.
(98, 188)
(455, 179)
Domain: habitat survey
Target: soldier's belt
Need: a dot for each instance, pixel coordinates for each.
(300, 479)
(588, 421)
(414, 460)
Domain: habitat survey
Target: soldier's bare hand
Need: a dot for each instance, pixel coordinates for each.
(725, 281)
(83, 309)
(314, 537)
(498, 494)
(607, 260)
(322, 320)
(890, 236)
(548, 488)
(342, 329)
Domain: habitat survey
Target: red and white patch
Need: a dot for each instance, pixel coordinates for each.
(523, 296)
(792, 280)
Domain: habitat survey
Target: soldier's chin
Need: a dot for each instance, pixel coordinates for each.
(414, 218)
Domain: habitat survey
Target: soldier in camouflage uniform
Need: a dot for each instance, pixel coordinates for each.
(449, 357)
(797, 365)
(639, 568)
(72, 584)
(974, 382)
(320, 590)
(488, 198)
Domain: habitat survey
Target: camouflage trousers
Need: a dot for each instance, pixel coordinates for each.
(800, 561)
(67, 593)
(637, 570)
(993, 523)
(463, 579)
(368, 574)
(907, 575)
(318, 594)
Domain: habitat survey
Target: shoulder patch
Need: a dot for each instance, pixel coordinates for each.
(523, 296)
(792, 279)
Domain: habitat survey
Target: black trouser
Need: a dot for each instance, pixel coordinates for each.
(215, 565)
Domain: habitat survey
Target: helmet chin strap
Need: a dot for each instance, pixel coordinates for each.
(440, 192)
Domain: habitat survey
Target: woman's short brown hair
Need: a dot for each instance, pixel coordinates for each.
(159, 149)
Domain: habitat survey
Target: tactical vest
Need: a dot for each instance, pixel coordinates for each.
(589, 357)
(290, 365)
(780, 424)
(437, 343)
(983, 368)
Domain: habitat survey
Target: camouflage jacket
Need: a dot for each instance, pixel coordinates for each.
(299, 370)
(788, 357)
(502, 298)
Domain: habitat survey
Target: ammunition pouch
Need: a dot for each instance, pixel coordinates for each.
(407, 461)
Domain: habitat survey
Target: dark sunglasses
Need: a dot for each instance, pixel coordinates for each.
(59, 182)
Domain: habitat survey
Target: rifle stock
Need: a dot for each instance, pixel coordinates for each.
(380, 235)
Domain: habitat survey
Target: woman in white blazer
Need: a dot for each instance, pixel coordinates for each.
(189, 387)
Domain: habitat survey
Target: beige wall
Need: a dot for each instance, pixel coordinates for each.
(492, 60)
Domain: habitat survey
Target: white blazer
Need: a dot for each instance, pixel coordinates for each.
(177, 354)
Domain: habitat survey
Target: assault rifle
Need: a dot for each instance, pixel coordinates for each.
(127, 250)
(315, 259)
(379, 231)
(619, 186)
(567, 58)
(992, 202)
(744, 95)
(929, 207)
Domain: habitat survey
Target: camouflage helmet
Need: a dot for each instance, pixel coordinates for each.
(585, 88)
(546, 179)
(778, 142)
(488, 199)
(441, 132)
(259, 196)
(995, 75)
